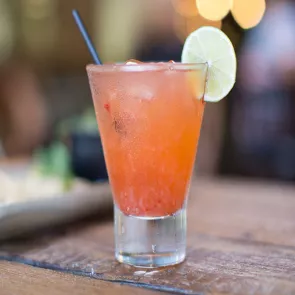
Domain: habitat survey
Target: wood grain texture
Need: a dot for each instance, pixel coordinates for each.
(19, 279)
(241, 240)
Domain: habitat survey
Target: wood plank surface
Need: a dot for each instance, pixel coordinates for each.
(19, 279)
(241, 240)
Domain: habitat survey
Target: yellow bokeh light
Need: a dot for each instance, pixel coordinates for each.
(186, 8)
(248, 13)
(184, 26)
(214, 10)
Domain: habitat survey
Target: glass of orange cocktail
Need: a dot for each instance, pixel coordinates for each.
(150, 122)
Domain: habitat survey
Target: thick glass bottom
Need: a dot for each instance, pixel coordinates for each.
(150, 242)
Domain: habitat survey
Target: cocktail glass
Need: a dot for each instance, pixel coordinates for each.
(149, 117)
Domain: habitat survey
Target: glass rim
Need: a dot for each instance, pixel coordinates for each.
(143, 67)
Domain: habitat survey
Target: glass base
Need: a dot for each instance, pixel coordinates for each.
(150, 242)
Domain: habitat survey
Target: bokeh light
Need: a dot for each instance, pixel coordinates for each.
(186, 25)
(248, 13)
(187, 8)
(214, 10)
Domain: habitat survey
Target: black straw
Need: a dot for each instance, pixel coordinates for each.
(86, 37)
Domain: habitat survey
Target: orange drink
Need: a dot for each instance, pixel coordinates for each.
(149, 117)
(150, 121)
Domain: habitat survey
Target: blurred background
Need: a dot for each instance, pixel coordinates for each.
(45, 99)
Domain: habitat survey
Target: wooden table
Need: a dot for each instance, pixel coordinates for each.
(241, 240)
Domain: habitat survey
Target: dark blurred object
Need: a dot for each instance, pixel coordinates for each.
(261, 139)
(159, 51)
(86, 152)
(87, 156)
